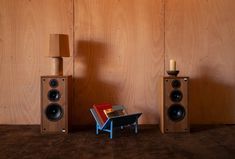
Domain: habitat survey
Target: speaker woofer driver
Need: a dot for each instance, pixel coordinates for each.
(54, 112)
(53, 95)
(176, 112)
(176, 96)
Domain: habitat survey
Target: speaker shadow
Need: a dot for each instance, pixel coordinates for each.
(91, 85)
(205, 127)
(210, 100)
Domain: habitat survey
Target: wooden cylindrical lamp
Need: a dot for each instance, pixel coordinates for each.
(58, 48)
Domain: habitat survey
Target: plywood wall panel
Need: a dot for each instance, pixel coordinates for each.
(200, 37)
(118, 56)
(24, 37)
(121, 48)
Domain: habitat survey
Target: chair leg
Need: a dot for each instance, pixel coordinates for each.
(111, 130)
(97, 129)
(136, 126)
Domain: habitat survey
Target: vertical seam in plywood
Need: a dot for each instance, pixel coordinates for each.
(164, 35)
(73, 30)
(73, 88)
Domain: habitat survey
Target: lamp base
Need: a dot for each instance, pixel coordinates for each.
(57, 66)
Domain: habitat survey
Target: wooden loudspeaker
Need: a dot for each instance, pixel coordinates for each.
(174, 106)
(55, 102)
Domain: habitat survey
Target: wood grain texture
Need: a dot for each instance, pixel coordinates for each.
(200, 36)
(118, 56)
(24, 39)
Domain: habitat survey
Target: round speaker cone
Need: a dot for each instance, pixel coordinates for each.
(53, 83)
(175, 83)
(176, 96)
(176, 112)
(54, 112)
(53, 95)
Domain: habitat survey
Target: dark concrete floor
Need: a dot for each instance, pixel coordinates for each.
(209, 142)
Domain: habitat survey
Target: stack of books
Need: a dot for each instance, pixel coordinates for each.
(105, 111)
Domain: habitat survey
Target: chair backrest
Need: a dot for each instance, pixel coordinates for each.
(99, 108)
(94, 114)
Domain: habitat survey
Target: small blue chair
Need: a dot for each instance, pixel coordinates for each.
(117, 121)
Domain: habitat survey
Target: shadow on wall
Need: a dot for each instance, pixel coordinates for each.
(89, 88)
(210, 100)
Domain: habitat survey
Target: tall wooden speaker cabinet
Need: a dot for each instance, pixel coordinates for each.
(56, 94)
(174, 115)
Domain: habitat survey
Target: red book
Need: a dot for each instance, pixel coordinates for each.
(99, 108)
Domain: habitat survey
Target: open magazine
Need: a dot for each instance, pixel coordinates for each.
(114, 112)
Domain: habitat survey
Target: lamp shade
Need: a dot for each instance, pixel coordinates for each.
(59, 45)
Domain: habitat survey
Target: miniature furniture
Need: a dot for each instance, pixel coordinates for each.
(116, 121)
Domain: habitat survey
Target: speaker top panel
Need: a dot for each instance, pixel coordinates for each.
(177, 77)
(175, 82)
(54, 76)
(54, 81)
